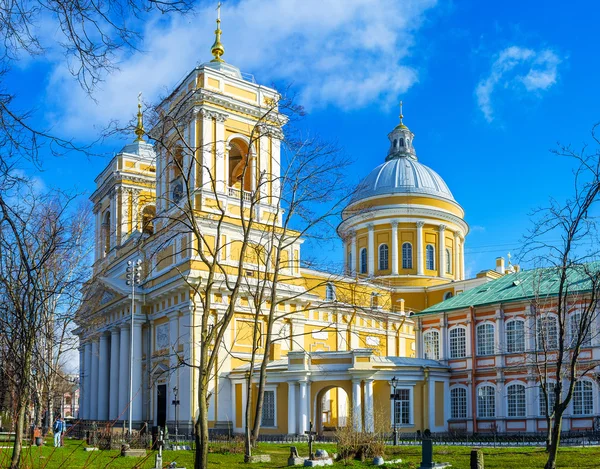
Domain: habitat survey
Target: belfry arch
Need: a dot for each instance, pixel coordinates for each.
(240, 163)
(332, 407)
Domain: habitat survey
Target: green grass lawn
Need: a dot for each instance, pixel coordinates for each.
(73, 456)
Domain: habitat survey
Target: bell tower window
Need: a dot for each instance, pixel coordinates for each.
(240, 170)
(401, 142)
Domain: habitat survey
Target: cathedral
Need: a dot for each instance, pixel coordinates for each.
(347, 341)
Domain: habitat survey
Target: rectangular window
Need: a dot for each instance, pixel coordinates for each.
(458, 343)
(583, 398)
(402, 410)
(486, 402)
(268, 410)
(458, 403)
(547, 333)
(515, 336)
(516, 401)
(485, 339)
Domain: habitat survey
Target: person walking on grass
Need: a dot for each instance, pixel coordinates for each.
(58, 428)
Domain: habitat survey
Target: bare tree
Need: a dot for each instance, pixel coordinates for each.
(35, 230)
(564, 243)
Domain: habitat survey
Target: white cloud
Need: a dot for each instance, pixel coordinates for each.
(517, 68)
(345, 53)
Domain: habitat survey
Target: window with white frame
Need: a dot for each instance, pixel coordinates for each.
(407, 256)
(403, 406)
(363, 261)
(577, 329)
(268, 410)
(547, 332)
(583, 398)
(458, 342)
(486, 401)
(431, 342)
(515, 336)
(430, 257)
(485, 339)
(383, 257)
(515, 399)
(448, 261)
(330, 292)
(545, 411)
(458, 403)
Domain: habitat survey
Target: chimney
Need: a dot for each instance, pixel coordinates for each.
(517, 268)
(500, 265)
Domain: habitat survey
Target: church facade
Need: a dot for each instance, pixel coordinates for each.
(346, 340)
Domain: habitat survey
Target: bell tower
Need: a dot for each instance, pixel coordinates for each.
(401, 141)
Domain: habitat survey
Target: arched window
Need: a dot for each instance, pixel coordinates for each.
(515, 336)
(395, 143)
(401, 142)
(547, 332)
(383, 257)
(240, 166)
(583, 398)
(577, 329)
(407, 256)
(148, 214)
(363, 261)
(546, 411)
(515, 399)
(458, 403)
(447, 295)
(431, 342)
(330, 292)
(458, 342)
(448, 261)
(430, 257)
(485, 339)
(486, 401)
(106, 233)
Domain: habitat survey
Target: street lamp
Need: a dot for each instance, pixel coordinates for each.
(176, 403)
(134, 273)
(394, 396)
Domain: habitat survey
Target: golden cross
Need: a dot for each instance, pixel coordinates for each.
(219, 11)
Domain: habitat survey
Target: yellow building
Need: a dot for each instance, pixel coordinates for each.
(341, 338)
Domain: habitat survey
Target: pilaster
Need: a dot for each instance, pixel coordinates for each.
(420, 256)
(394, 247)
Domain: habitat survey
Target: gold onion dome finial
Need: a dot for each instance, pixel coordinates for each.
(217, 48)
(139, 128)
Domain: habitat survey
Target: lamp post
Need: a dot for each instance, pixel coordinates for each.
(176, 403)
(134, 271)
(394, 396)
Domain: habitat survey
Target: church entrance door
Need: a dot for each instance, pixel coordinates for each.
(161, 405)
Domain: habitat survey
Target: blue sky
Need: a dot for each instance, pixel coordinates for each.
(488, 89)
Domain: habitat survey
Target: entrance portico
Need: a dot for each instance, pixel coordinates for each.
(300, 381)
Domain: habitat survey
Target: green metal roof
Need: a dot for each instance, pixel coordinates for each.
(520, 286)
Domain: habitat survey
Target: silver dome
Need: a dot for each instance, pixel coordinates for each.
(402, 176)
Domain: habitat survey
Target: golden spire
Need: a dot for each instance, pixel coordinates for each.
(139, 128)
(401, 115)
(217, 48)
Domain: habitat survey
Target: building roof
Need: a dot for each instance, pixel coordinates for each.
(402, 176)
(519, 286)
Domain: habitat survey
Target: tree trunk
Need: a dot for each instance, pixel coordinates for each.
(555, 442)
(548, 433)
(201, 461)
(19, 428)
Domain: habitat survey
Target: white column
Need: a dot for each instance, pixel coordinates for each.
(173, 362)
(206, 149)
(135, 210)
(263, 162)
(420, 225)
(125, 198)
(115, 339)
(103, 377)
(500, 339)
(186, 414)
(81, 379)
(304, 406)
(292, 410)
(462, 258)
(431, 396)
(345, 247)
(500, 402)
(531, 401)
(137, 399)
(457, 255)
(419, 339)
(371, 250)
(444, 350)
(394, 248)
(94, 383)
(369, 414)
(221, 153)
(115, 228)
(530, 329)
(356, 405)
(353, 254)
(442, 249)
(124, 373)
(446, 400)
(88, 381)
(98, 233)
(276, 164)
